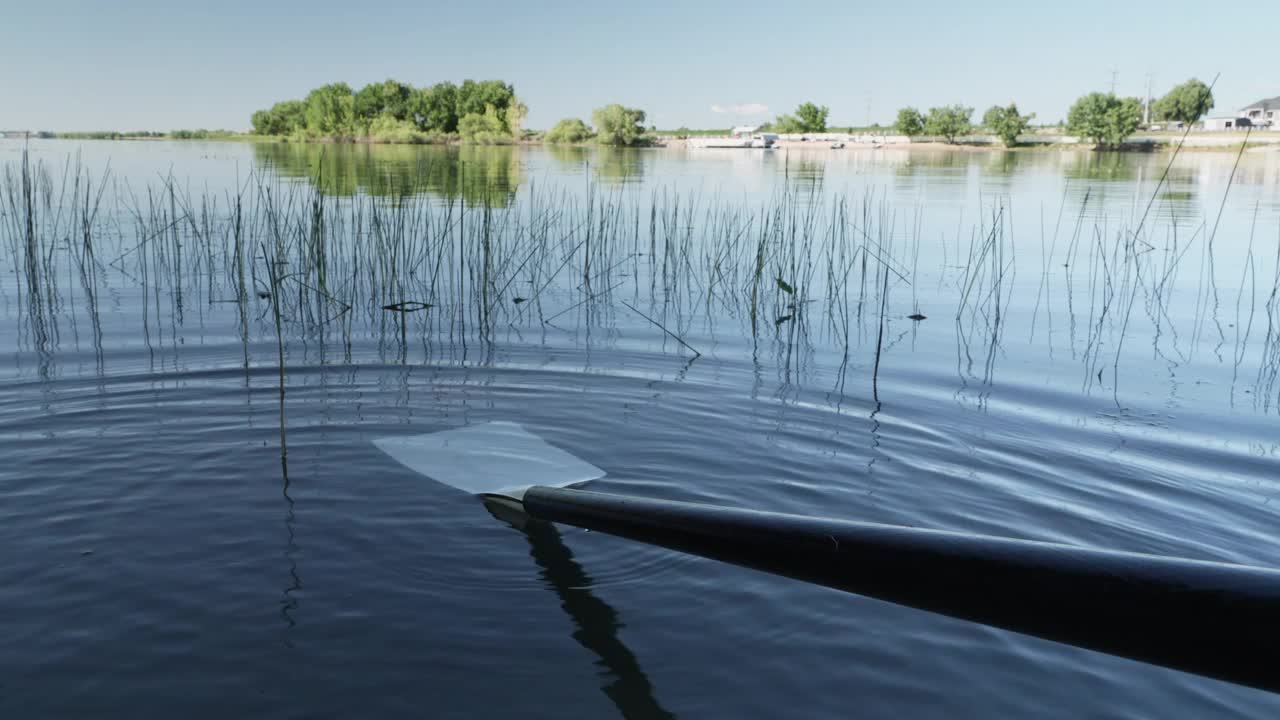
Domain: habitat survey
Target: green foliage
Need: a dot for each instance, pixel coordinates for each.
(813, 118)
(785, 124)
(1104, 118)
(618, 125)
(331, 111)
(105, 135)
(474, 97)
(485, 128)
(910, 122)
(284, 118)
(435, 108)
(1185, 103)
(387, 129)
(264, 123)
(808, 118)
(202, 134)
(569, 130)
(514, 114)
(1007, 123)
(389, 99)
(367, 103)
(949, 122)
(392, 111)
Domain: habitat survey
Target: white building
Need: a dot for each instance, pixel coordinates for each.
(1221, 122)
(1262, 115)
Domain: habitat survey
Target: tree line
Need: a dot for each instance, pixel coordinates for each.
(615, 125)
(396, 112)
(623, 126)
(392, 111)
(1103, 118)
(490, 112)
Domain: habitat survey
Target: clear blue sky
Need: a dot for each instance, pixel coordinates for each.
(146, 64)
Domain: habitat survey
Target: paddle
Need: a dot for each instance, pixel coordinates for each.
(1209, 618)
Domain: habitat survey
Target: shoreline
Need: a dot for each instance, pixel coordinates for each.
(1257, 142)
(1265, 142)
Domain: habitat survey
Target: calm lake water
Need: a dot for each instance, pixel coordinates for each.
(1098, 365)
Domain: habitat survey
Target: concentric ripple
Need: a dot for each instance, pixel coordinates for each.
(157, 540)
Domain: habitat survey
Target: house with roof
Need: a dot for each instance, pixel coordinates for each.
(1262, 115)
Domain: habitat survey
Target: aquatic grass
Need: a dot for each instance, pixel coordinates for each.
(302, 264)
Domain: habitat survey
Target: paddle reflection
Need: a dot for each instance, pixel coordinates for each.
(596, 621)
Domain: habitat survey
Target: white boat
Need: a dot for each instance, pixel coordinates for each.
(739, 137)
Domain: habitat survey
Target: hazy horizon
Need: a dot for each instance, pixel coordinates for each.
(70, 65)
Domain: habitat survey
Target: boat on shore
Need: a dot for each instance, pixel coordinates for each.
(739, 137)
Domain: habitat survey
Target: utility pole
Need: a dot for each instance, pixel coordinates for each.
(1114, 73)
(1146, 103)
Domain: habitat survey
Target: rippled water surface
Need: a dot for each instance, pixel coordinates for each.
(1097, 365)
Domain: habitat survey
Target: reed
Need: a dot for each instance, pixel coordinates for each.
(301, 265)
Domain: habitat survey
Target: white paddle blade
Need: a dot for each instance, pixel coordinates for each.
(497, 458)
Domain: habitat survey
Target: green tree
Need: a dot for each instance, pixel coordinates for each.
(949, 122)
(910, 122)
(514, 115)
(485, 128)
(568, 130)
(393, 111)
(263, 123)
(473, 98)
(331, 111)
(813, 118)
(395, 99)
(293, 115)
(808, 118)
(618, 125)
(1185, 103)
(1104, 118)
(435, 108)
(1007, 123)
(283, 118)
(367, 103)
(786, 124)
(390, 98)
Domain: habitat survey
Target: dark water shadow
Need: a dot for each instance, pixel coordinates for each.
(596, 622)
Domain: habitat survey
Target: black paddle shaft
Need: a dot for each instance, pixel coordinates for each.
(1209, 618)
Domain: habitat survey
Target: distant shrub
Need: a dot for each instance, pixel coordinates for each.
(812, 117)
(910, 122)
(1104, 118)
(569, 130)
(786, 124)
(386, 129)
(949, 122)
(618, 125)
(202, 134)
(1007, 123)
(487, 128)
